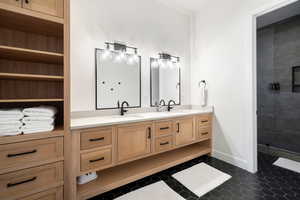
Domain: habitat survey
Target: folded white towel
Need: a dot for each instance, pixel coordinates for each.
(49, 120)
(46, 111)
(10, 127)
(10, 123)
(37, 130)
(10, 111)
(37, 124)
(28, 127)
(10, 132)
(12, 116)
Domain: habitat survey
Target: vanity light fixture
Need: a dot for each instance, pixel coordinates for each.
(122, 50)
(166, 60)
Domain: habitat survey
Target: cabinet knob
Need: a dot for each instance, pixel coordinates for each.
(27, 1)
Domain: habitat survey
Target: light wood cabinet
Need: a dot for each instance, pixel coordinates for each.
(203, 133)
(163, 143)
(50, 7)
(133, 141)
(95, 160)
(17, 3)
(163, 128)
(18, 155)
(184, 131)
(128, 152)
(25, 182)
(95, 138)
(53, 194)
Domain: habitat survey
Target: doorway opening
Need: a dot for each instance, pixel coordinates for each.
(278, 82)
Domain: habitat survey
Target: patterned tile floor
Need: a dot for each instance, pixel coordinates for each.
(269, 183)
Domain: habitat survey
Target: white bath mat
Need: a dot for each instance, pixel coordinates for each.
(156, 191)
(201, 178)
(288, 164)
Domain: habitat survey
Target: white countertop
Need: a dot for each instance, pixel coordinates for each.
(92, 122)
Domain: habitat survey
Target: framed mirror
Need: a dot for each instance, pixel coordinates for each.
(118, 79)
(165, 83)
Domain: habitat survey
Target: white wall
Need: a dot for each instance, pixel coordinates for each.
(148, 25)
(223, 56)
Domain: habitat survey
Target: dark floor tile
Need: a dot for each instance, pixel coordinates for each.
(269, 183)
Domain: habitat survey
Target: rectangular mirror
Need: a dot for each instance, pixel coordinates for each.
(165, 81)
(118, 79)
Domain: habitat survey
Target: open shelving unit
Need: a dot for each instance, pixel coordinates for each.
(34, 71)
(120, 175)
(33, 65)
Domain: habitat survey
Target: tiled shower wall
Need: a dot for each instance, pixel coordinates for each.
(278, 111)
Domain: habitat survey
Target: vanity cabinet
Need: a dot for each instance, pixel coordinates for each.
(49, 7)
(203, 127)
(126, 152)
(184, 131)
(133, 141)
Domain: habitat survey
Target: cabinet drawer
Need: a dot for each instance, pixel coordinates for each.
(95, 160)
(25, 182)
(163, 144)
(26, 153)
(53, 194)
(163, 128)
(95, 138)
(204, 133)
(204, 120)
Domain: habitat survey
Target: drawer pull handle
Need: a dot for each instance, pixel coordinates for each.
(96, 139)
(96, 160)
(204, 121)
(205, 133)
(178, 127)
(149, 132)
(21, 154)
(165, 143)
(22, 182)
(164, 128)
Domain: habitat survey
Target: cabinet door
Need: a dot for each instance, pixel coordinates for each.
(133, 141)
(16, 3)
(50, 7)
(184, 131)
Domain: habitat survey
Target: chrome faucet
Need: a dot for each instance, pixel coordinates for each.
(122, 111)
(169, 105)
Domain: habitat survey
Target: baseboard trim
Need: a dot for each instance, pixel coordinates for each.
(238, 162)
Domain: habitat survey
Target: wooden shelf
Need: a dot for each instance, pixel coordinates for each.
(30, 77)
(117, 176)
(22, 54)
(58, 132)
(29, 100)
(30, 21)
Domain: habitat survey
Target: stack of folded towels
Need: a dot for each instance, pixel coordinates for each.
(38, 119)
(10, 122)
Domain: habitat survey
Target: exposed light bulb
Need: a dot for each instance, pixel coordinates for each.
(161, 63)
(106, 54)
(121, 56)
(130, 60)
(155, 63)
